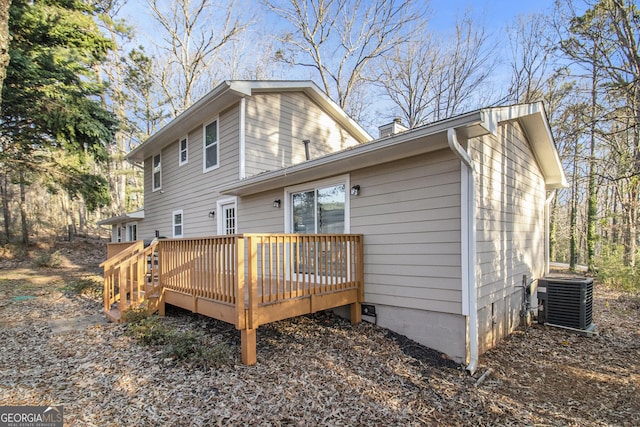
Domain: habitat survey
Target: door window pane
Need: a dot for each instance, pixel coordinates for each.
(330, 216)
(304, 212)
(230, 219)
(319, 211)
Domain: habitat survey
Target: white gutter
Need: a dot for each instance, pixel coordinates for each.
(468, 238)
(547, 230)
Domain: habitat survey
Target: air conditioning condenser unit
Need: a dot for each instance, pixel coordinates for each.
(566, 302)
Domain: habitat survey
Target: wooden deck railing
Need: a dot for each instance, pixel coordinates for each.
(247, 280)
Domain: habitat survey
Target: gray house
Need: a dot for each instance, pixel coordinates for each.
(453, 215)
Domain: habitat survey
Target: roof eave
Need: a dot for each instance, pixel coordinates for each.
(536, 126)
(226, 94)
(406, 144)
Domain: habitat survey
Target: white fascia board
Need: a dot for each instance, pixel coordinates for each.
(536, 126)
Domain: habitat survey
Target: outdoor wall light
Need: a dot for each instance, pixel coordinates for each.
(355, 190)
(276, 203)
(212, 214)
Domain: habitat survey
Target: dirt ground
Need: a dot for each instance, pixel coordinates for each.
(312, 370)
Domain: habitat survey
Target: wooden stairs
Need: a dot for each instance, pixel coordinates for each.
(132, 281)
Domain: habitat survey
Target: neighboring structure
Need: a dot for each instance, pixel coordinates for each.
(454, 214)
(124, 228)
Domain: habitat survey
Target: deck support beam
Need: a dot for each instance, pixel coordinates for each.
(248, 343)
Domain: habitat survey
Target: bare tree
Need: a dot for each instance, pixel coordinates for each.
(408, 78)
(429, 79)
(338, 39)
(530, 53)
(195, 32)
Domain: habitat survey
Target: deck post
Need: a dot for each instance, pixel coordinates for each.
(161, 311)
(248, 343)
(356, 313)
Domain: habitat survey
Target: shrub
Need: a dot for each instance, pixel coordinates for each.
(613, 272)
(136, 315)
(88, 287)
(190, 346)
(150, 331)
(48, 260)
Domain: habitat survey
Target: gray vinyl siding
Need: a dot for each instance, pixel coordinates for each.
(409, 212)
(510, 226)
(276, 124)
(187, 187)
(259, 215)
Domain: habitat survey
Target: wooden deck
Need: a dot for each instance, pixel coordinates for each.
(246, 280)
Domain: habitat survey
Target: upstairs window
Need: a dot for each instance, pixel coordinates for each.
(177, 223)
(210, 149)
(157, 173)
(183, 153)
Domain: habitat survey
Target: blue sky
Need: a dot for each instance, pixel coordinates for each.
(495, 12)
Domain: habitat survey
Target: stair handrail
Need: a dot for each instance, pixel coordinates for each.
(126, 253)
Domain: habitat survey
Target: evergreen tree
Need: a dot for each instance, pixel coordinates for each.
(51, 96)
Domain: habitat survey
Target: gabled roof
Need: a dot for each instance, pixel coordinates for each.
(131, 216)
(228, 93)
(420, 140)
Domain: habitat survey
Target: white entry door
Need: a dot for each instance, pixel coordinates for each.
(228, 218)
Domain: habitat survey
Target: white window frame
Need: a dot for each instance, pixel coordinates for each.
(153, 172)
(185, 150)
(314, 185)
(204, 145)
(118, 233)
(173, 223)
(220, 213)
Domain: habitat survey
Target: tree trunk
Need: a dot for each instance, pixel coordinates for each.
(6, 212)
(23, 210)
(4, 41)
(573, 214)
(630, 229)
(553, 238)
(592, 201)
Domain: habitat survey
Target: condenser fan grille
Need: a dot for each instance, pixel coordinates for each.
(569, 302)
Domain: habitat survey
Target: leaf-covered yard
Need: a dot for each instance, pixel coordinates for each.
(316, 370)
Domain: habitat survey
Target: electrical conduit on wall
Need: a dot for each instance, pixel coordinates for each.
(468, 238)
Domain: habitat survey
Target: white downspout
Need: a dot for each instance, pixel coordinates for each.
(468, 246)
(547, 230)
(243, 163)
